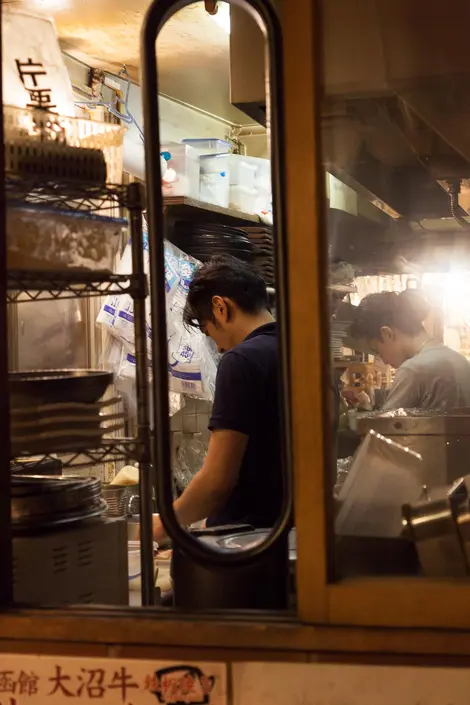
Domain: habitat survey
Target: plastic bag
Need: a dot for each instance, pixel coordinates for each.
(190, 458)
(192, 366)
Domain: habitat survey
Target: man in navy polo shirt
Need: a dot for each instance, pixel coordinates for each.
(241, 479)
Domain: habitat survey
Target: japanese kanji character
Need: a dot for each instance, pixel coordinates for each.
(27, 683)
(122, 680)
(30, 69)
(40, 98)
(93, 685)
(58, 681)
(7, 682)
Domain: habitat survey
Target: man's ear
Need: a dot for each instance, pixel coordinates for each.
(386, 333)
(219, 308)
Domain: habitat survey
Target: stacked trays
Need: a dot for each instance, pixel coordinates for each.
(205, 241)
(339, 331)
(59, 410)
(263, 252)
(44, 503)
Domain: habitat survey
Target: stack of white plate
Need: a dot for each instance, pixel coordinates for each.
(63, 425)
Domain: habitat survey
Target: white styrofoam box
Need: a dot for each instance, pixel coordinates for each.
(209, 145)
(182, 175)
(243, 199)
(242, 171)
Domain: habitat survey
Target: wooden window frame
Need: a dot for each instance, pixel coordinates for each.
(371, 602)
(357, 618)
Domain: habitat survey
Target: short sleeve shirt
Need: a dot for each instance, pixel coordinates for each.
(436, 378)
(247, 400)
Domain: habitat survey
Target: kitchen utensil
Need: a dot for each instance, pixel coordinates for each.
(432, 523)
(54, 386)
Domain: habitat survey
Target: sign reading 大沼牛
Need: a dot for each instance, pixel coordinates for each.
(58, 680)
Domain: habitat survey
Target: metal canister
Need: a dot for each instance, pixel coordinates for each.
(118, 499)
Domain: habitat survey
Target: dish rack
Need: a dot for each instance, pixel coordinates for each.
(92, 199)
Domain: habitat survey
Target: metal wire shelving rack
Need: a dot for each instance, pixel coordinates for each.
(39, 285)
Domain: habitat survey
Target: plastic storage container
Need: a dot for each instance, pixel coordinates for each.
(182, 174)
(209, 145)
(215, 179)
(262, 183)
(45, 239)
(263, 172)
(243, 199)
(242, 171)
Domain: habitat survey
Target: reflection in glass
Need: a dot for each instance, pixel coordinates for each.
(397, 161)
(223, 349)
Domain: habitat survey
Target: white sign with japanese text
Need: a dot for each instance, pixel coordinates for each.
(33, 680)
(33, 69)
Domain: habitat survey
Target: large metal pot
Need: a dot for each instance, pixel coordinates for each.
(264, 585)
(442, 440)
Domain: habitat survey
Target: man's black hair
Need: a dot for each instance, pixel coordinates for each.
(229, 278)
(405, 311)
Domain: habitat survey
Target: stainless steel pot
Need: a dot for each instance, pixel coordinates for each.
(442, 440)
(264, 585)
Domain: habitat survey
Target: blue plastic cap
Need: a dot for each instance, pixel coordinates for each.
(166, 156)
(222, 173)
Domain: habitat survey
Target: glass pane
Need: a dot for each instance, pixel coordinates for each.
(395, 126)
(220, 353)
(225, 398)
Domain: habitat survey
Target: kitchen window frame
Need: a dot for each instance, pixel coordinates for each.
(394, 617)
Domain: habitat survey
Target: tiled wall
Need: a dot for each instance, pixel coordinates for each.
(191, 421)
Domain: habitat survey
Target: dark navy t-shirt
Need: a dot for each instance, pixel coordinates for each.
(247, 400)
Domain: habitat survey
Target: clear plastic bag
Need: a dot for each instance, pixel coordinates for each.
(190, 458)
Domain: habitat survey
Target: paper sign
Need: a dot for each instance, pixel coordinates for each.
(33, 680)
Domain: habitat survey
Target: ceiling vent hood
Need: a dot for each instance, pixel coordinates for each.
(396, 108)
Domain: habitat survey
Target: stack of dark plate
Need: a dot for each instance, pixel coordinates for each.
(57, 410)
(204, 241)
(263, 252)
(45, 503)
